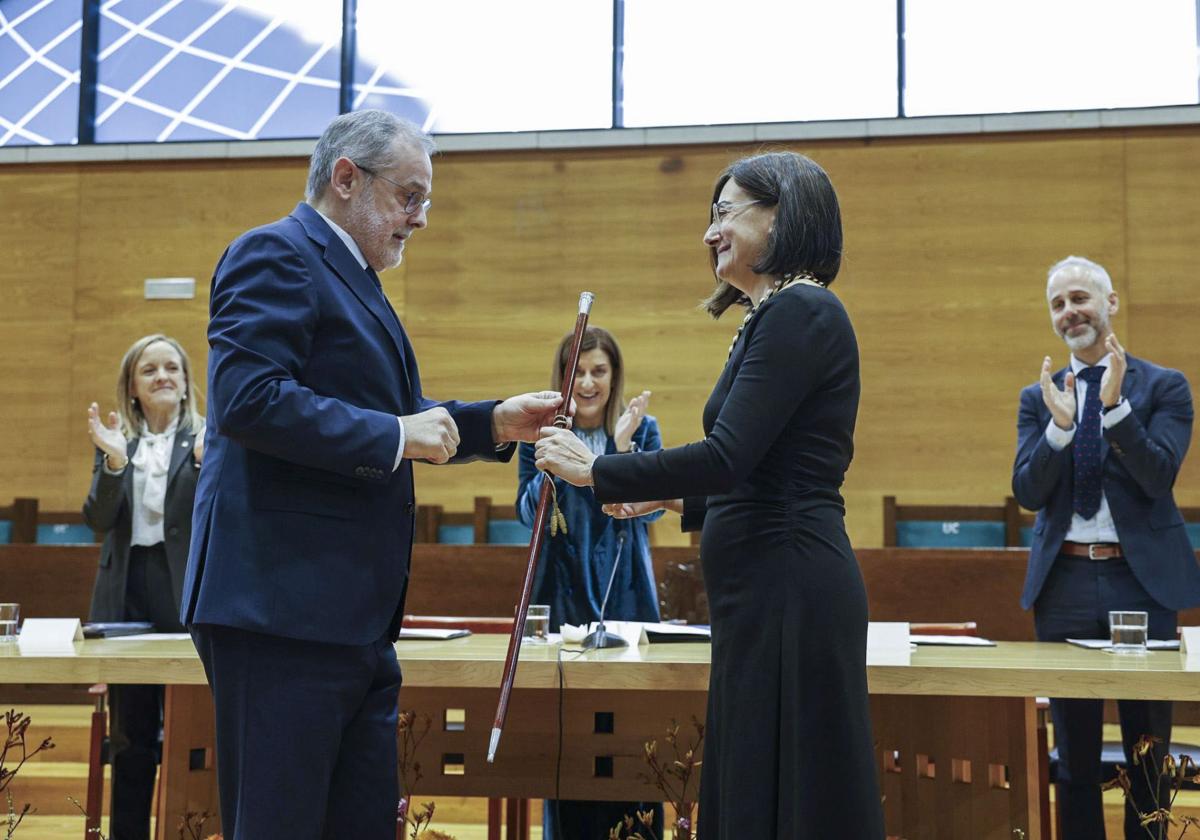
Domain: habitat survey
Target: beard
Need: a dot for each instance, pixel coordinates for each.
(1083, 340)
(1090, 335)
(374, 236)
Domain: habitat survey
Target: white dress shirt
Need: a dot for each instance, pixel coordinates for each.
(1100, 528)
(151, 464)
(357, 253)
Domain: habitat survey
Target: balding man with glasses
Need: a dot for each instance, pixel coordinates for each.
(304, 514)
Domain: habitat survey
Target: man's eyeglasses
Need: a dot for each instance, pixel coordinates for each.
(723, 211)
(413, 201)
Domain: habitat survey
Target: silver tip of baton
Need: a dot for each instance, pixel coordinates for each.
(585, 302)
(492, 744)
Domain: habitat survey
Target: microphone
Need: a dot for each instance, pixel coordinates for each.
(600, 638)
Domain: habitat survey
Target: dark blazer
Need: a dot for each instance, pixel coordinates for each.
(302, 529)
(108, 509)
(1141, 457)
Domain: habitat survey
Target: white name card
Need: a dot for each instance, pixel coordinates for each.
(1189, 642)
(887, 635)
(50, 632)
(888, 643)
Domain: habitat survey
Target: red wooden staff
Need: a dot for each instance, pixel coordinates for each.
(535, 542)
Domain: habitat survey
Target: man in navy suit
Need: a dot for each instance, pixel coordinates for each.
(303, 521)
(1099, 446)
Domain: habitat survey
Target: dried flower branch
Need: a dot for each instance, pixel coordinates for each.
(673, 776)
(1171, 776)
(410, 732)
(16, 726)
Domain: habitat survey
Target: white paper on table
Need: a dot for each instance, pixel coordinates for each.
(658, 631)
(433, 633)
(1105, 644)
(956, 641)
(152, 637)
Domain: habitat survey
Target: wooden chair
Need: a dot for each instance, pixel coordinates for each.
(434, 525)
(498, 524)
(18, 521)
(943, 526)
(64, 528)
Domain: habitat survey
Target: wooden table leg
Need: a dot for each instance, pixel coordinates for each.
(187, 780)
(493, 818)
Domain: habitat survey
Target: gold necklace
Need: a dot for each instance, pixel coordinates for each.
(787, 280)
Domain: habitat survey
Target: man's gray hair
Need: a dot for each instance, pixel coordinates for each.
(1081, 265)
(365, 137)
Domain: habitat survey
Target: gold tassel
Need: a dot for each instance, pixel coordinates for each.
(558, 522)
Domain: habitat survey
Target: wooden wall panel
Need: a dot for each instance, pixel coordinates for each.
(39, 217)
(1163, 300)
(947, 243)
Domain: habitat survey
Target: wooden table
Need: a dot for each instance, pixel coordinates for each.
(955, 727)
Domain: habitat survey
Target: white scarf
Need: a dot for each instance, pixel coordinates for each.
(153, 458)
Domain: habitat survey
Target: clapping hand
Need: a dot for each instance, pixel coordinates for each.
(629, 421)
(107, 437)
(1114, 374)
(1060, 401)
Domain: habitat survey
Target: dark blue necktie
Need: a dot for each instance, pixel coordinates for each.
(1087, 446)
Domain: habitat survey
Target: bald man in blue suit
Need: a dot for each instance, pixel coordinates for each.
(1100, 444)
(303, 522)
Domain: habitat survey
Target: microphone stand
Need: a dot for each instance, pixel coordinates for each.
(599, 638)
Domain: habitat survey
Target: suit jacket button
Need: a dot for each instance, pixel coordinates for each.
(173, 531)
(410, 507)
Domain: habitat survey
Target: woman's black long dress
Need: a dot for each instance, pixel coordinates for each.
(788, 751)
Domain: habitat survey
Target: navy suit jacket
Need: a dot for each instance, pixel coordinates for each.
(302, 529)
(1141, 456)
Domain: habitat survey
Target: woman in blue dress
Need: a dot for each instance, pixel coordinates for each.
(575, 566)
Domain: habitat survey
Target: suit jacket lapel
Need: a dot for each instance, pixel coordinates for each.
(127, 476)
(346, 267)
(180, 454)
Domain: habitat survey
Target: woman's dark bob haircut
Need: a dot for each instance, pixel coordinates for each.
(807, 234)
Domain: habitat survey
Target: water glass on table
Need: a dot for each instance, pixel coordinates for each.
(10, 617)
(537, 624)
(1128, 630)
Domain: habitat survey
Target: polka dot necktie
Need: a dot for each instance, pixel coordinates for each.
(1087, 446)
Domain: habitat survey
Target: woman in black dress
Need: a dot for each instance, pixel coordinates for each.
(788, 751)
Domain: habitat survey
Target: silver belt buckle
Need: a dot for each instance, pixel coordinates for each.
(1092, 551)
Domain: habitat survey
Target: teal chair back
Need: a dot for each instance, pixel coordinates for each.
(949, 534)
(5, 531)
(949, 526)
(65, 534)
(508, 532)
(456, 534)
